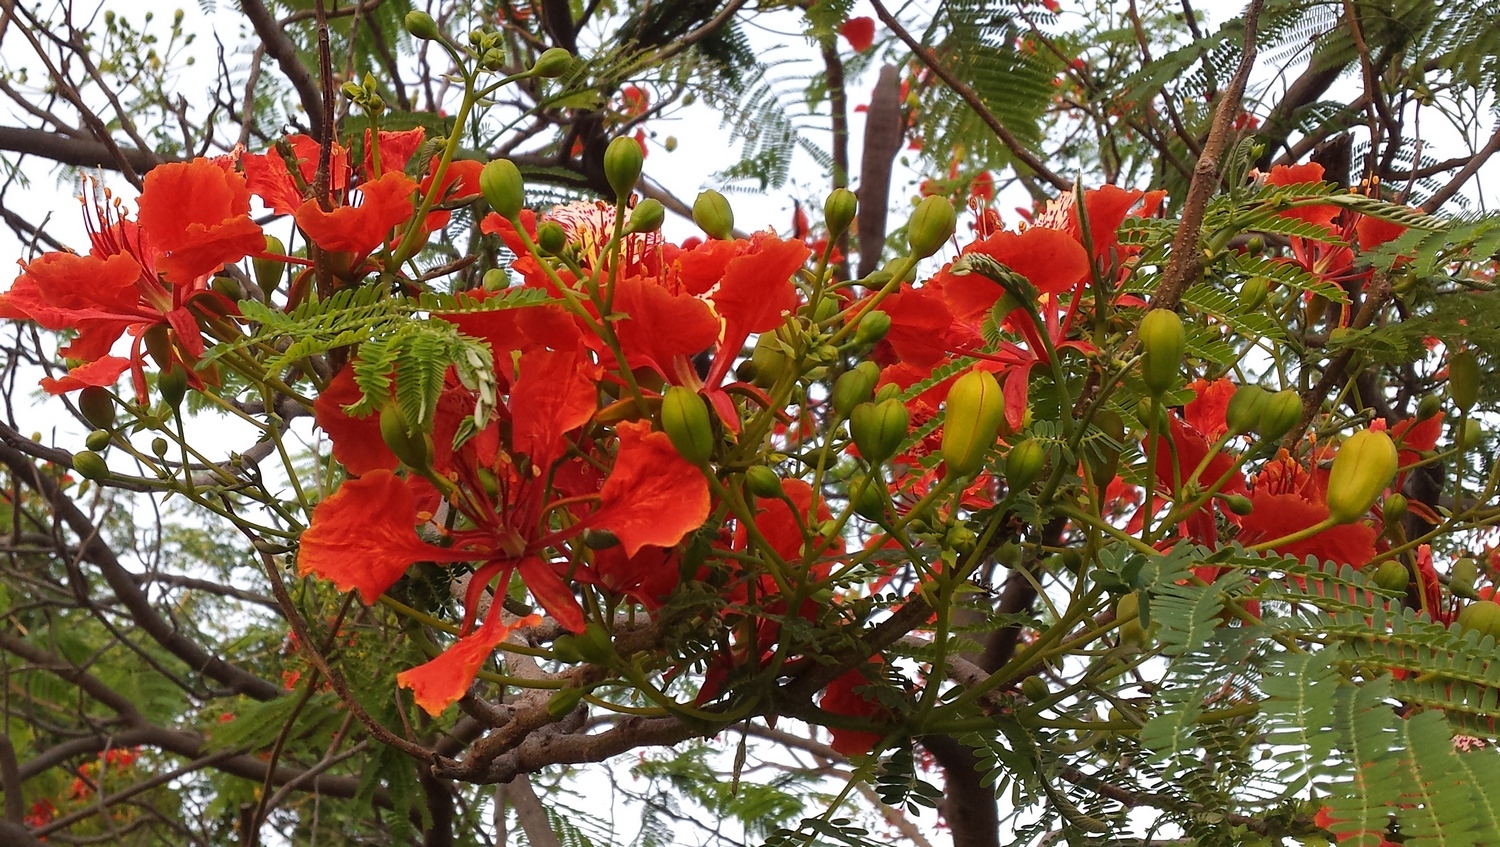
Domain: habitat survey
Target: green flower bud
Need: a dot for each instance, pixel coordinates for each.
(851, 389)
(551, 237)
(878, 429)
(1255, 245)
(763, 482)
(159, 446)
(1239, 504)
(1465, 574)
(975, 410)
(421, 25)
(1107, 463)
(1391, 575)
(91, 465)
(622, 166)
(1024, 464)
(685, 419)
(596, 646)
(563, 701)
(97, 440)
(228, 286)
(1362, 470)
(1471, 435)
(1035, 688)
(173, 385)
(503, 188)
(553, 63)
(1428, 407)
(768, 360)
(270, 272)
(1163, 346)
(931, 225)
(1282, 412)
(158, 341)
(889, 391)
(1245, 409)
(1253, 293)
(712, 214)
(495, 280)
(1394, 509)
(1482, 616)
(872, 327)
(412, 446)
(647, 216)
(565, 649)
(1131, 631)
(97, 407)
(1464, 379)
(839, 210)
(866, 496)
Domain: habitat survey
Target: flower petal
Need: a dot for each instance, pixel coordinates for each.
(441, 682)
(653, 496)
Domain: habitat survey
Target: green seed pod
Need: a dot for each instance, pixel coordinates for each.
(1483, 616)
(763, 482)
(1428, 407)
(1253, 293)
(563, 701)
(1024, 464)
(97, 407)
(839, 210)
(270, 272)
(97, 440)
(503, 188)
(173, 385)
(1391, 575)
(1362, 469)
(1464, 379)
(1035, 688)
(91, 465)
(872, 327)
(553, 63)
(768, 360)
(685, 420)
(1465, 574)
(1239, 504)
(975, 410)
(878, 429)
(421, 25)
(647, 216)
(1394, 509)
(1245, 409)
(866, 498)
(412, 446)
(1163, 345)
(930, 226)
(551, 237)
(1282, 412)
(622, 166)
(713, 215)
(851, 389)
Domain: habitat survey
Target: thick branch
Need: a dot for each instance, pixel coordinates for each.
(66, 150)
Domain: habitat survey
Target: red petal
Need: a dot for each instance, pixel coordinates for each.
(198, 217)
(554, 394)
(661, 325)
(554, 594)
(756, 293)
(441, 682)
(361, 229)
(357, 443)
(653, 496)
(103, 372)
(859, 32)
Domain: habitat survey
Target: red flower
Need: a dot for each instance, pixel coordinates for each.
(441, 682)
(859, 32)
(386, 203)
(653, 495)
(1050, 259)
(840, 698)
(1287, 497)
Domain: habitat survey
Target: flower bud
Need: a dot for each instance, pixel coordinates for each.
(269, 272)
(1463, 379)
(553, 63)
(1024, 464)
(878, 429)
(647, 216)
(1239, 504)
(866, 498)
(158, 341)
(413, 447)
(889, 391)
(1482, 616)
(1108, 422)
(839, 210)
(684, 417)
(228, 286)
(851, 389)
(421, 25)
(1429, 406)
(565, 649)
(97, 407)
(563, 701)
(1245, 409)
(763, 482)
(1163, 345)
(768, 360)
(503, 188)
(1131, 631)
(712, 214)
(495, 279)
(1363, 468)
(1393, 509)
(872, 327)
(930, 226)
(159, 446)
(975, 410)
(1282, 412)
(1253, 293)
(1470, 435)
(1465, 574)
(97, 440)
(622, 166)
(596, 646)
(91, 465)
(551, 237)
(1391, 575)
(599, 538)
(173, 385)
(1035, 688)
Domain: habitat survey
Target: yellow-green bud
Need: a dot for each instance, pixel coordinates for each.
(931, 225)
(839, 210)
(1131, 631)
(975, 410)
(1239, 504)
(647, 216)
(851, 389)
(412, 446)
(622, 166)
(599, 538)
(1253, 293)
(1245, 408)
(685, 419)
(159, 446)
(763, 482)
(97, 440)
(878, 429)
(495, 280)
(270, 272)
(1362, 469)
(563, 701)
(1035, 688)
(1391, 575)
(1470, 435)
(866, 497)
(173, 385)
(565, 649)
(553, 63)
(1463, 379)
(551, 237)
(1282, 412)
(1429, 406)
(97, 407)
(228, 286)
(1163, 345)
(503, 188)
(1024, 464)
(421, 25)
(1465, 574)
(1482, 616)
(1108, 422)
(1393, 509)
(889, 391)
(596, 646)
(91, 465)
(713, 215)
(872, 327)
(768, 360)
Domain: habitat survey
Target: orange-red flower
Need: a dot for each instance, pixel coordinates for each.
(440, 683)
(841, 698)
(859, 32)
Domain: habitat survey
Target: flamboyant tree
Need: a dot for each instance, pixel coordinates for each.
(398, 478)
